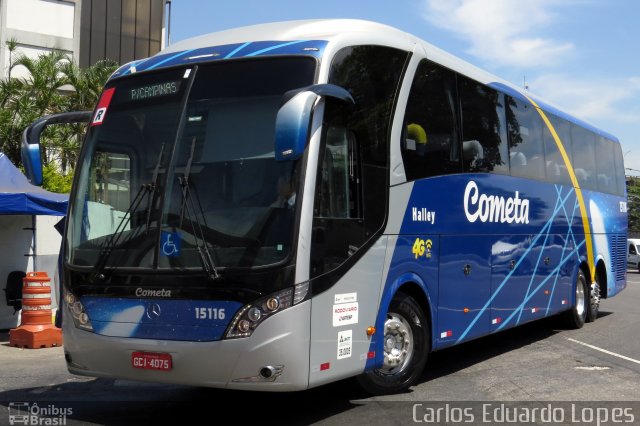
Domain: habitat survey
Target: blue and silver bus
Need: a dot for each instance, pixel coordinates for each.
(281, 206)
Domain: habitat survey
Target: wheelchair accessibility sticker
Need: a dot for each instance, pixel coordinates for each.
(170, 244)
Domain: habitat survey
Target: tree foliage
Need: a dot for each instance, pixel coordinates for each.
(633, 207)
(55, 181)
(52, 84)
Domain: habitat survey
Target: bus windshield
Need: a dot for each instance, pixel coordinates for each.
(178, 170)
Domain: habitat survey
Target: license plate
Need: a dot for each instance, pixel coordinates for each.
(151, 361)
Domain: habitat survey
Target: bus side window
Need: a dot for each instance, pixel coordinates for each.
(618, 159)
(430, 143)
(337, 189)
(338, 228)
(556, 168)
(525, 140)
(583, 156)
(484, 135)
(606, 166)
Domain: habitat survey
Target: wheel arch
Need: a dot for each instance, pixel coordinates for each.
(421, 297)
(413, 285)
(580, 266)
(601, 277)
(584, 267)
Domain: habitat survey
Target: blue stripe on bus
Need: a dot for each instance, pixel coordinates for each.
(314, 48)
(557, 268)
(126, 68)
(278, 46)
(545, 229)
(544, 244)
(237, 49)
(566, 241)
(564, 247)
(169, 59)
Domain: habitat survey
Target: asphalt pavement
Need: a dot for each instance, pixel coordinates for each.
(536, 365)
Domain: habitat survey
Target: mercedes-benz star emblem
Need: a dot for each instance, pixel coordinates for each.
(153, 311)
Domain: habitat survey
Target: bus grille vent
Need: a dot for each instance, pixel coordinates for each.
(618, 244)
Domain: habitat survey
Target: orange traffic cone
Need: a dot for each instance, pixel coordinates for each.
(35, 330)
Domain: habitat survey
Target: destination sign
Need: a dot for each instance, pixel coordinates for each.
(154, 90)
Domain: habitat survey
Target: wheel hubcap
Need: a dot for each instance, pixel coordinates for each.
(398, 344)
(595, 296)
(580, 299)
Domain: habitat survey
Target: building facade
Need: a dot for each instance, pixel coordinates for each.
(122, 30)
(88, 30)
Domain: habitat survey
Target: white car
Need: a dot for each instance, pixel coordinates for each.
(633, 254)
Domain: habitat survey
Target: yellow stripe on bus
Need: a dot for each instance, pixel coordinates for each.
(576, 185)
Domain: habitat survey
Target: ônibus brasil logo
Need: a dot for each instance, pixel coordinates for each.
(30, 413)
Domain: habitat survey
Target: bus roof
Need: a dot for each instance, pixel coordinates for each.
(310, 37)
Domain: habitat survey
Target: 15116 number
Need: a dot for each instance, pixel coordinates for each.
(210, 313)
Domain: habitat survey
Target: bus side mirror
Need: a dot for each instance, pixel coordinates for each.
(293, 121)
(30, 150)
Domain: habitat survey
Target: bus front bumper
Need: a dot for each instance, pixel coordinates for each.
(280, 344)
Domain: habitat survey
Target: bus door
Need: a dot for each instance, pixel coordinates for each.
(465, 288)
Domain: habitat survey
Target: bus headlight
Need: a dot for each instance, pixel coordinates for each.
(251, 316)
(255, 314)
(76, 309)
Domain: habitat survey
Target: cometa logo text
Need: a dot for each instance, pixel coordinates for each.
(141, 292)
(493, 208)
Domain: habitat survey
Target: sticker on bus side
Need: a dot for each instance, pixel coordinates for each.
(171, 244)
(345, 314)
(103, 104)
(345, 298)
(345, 341)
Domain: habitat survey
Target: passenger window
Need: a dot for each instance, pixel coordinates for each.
(605, 166)
(336, 191)
(525, 140)
(621, 182)
(484, 134)
(430, 141)
(583, 156)
(632, 249)
(556, 168)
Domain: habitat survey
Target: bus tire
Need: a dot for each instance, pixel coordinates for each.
(406, 346)
(577, 315)
(593, 307)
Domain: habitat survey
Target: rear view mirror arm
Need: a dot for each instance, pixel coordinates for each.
(294, 117)
(30, 151)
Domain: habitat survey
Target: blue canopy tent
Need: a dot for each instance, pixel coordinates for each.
(19, 199)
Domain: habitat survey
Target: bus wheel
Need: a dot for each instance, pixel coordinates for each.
(577, 315)
(406, 345)
(594, 301)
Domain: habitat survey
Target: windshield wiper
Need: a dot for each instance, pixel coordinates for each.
(153, 188)
(188, 208)
(112, 242)
(109, 244)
